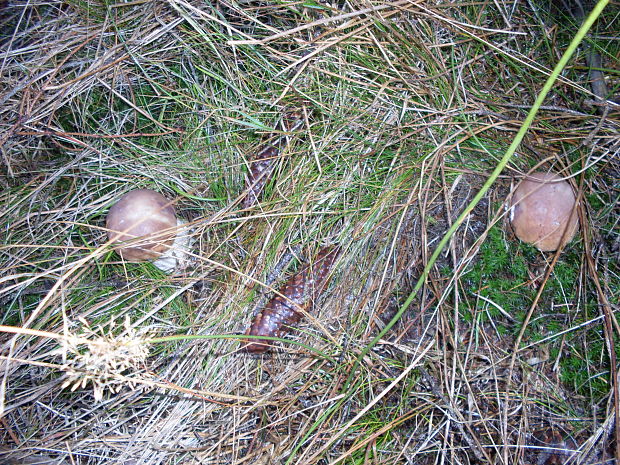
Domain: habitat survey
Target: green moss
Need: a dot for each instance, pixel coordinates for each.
(583, 370)
(507, 275)
(498, 279)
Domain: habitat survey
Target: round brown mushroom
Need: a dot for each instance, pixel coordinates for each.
(542, 211)
(141, 225)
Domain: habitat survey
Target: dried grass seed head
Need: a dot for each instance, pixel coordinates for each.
(542, 211)
(102, 358)
(142, 225)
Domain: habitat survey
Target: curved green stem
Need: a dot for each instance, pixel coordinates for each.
(347, 386)
(583, 30)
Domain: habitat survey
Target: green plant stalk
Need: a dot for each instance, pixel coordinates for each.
(581, 33)
(241, 337)
(583, 30)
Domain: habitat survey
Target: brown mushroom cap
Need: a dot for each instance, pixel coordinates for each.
(541, 211)
(143, 214)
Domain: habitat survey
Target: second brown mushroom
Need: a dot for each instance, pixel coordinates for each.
(543, 211)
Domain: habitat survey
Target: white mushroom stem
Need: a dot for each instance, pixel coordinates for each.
(178, 255)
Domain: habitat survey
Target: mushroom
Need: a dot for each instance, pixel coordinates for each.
(142, 225)
(542, 211)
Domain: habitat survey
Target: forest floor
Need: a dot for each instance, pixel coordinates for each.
(486, 350)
